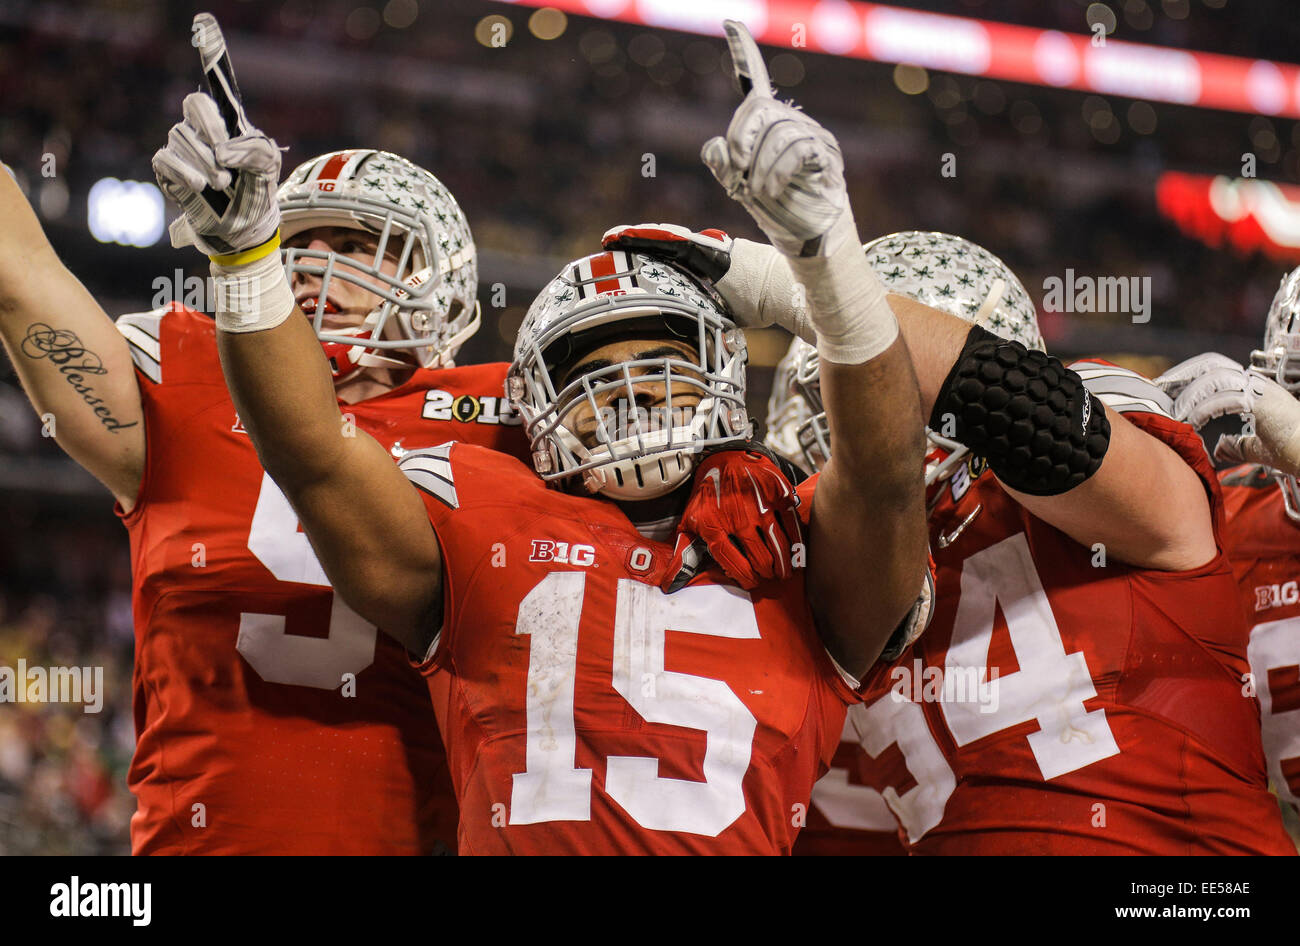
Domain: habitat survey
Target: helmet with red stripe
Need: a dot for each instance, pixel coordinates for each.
(631, 453)
(429, 306)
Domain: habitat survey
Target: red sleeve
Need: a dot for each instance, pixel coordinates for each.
(476, 499)
(1218, 593)
(1187, 443)
(171, 348)
(1148, 408)
(431, 472)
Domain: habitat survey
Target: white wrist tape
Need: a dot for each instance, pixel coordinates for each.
(761, 290)
(846, 301)
(1277, 424)
(252, 297)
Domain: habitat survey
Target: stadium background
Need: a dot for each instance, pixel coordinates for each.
(547, 141)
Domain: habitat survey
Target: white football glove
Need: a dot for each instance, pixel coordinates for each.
(1212, 385)
(787, 171)
(779, 163)
(1174, 381)
(221, 170)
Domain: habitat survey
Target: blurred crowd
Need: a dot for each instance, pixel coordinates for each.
(65, 601)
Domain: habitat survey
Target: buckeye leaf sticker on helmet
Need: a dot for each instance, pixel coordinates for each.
(428, 306)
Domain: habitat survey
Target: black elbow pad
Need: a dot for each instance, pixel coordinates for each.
(1041, 430)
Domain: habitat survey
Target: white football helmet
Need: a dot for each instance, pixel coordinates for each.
(636, 454)
(959, 277)
(947, 272)
(430, 306)
(1279, 359)
(788, 408)
(796, 421)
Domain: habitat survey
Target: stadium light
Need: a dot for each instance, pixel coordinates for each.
(126, 212)
(1051, 58)
(1249, 215)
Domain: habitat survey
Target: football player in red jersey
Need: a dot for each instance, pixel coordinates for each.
(1263, 542)
(1117, 722)
(241, 644)
(1262, 502)
(584, 710)
(270, 717)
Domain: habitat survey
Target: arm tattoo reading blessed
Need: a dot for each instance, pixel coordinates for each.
(74, 361)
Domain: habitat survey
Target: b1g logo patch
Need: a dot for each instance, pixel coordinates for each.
(468, 409)
(562, 553)
(1274, 596)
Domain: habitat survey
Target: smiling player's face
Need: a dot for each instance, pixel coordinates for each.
(648, 394)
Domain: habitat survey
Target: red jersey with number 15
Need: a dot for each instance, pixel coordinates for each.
(270, 718)
(584, 710)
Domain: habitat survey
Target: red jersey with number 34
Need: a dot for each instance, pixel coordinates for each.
(270, 718)
(1264, 546)
(584, 710)
(1117, 723)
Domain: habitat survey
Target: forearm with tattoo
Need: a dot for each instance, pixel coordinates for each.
(65, 350)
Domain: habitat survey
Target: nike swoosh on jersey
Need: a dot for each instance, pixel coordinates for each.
(950, 538)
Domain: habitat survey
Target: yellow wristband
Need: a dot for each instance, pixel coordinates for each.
(249, 256)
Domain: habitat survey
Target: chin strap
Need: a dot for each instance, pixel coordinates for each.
(601, 481)
(344, 359)
(347, 358)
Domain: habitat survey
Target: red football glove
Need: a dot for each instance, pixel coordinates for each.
(743, 508)
(753, 279)
(706, 253)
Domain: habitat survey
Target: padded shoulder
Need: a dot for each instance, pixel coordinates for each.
(431, 471)
(143, 334)
(1123, 390)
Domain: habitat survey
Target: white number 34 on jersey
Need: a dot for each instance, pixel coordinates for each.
(1050, 687)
